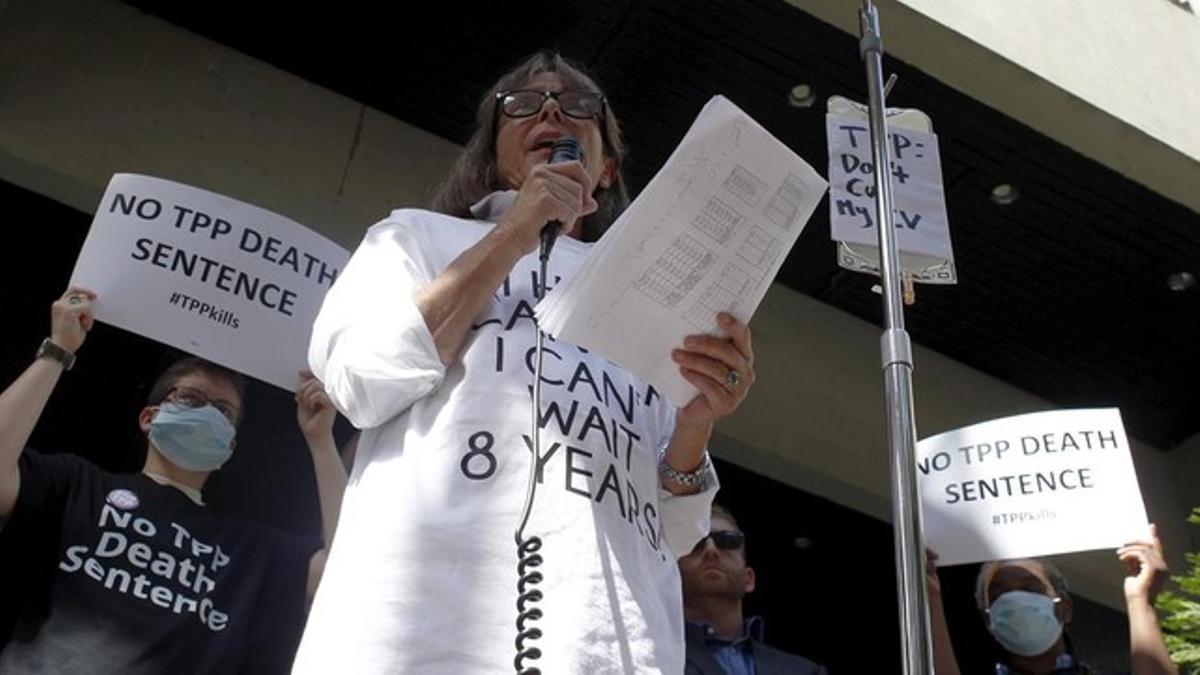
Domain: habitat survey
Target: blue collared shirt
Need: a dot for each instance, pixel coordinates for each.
(735, 656)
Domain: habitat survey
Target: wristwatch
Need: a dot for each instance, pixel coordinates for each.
(696, 478)
(53, 351)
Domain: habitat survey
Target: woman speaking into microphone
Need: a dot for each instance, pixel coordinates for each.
(427, 342)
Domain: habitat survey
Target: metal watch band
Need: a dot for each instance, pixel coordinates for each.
(696, 478)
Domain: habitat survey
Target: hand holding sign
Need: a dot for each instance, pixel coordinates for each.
(71, 318)
(314, 411)
(933, 583)
(1145, 566)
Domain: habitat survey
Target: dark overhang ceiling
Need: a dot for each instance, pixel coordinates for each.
(1062, 294)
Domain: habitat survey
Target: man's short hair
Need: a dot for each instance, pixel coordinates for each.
(191, 366)
(1058, 582)
(721, 511)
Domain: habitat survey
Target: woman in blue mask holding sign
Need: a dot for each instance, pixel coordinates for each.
(1026, 607)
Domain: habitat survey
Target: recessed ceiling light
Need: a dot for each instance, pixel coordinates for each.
(1181, 281)
(802, 96)
(1005, 194)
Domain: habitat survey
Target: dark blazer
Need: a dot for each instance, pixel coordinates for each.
(767, 660)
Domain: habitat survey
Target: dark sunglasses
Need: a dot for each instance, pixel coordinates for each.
(725, 540)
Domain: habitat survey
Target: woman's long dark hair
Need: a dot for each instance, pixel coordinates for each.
(474, 174)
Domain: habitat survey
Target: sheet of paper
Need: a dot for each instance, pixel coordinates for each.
(1030, 485)
(920, 215)
(920, 219)
(213, 276)
(706, 235)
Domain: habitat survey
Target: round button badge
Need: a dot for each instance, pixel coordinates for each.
(123, 499)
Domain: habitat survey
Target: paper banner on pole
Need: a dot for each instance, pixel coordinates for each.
(213, 276)
(1030, 485)
(920, 220)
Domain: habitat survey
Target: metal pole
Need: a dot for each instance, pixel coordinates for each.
(896, 349)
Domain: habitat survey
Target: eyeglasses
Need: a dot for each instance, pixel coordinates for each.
(194, 398)
(583, 105)
(725, 540)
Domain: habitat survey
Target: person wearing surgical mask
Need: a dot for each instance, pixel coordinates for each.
(1026, 606)
(133, 573)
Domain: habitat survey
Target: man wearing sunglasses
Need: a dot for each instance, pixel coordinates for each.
(132, 573)
(720, 641)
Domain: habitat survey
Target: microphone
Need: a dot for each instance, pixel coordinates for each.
(565, 149)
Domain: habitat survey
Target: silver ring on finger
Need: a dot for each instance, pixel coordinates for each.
(732, 379)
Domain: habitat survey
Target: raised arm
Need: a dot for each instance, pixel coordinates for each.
(315, 415)
(393, 320)
(558, 192)
(706, 361)
(723, 370)
(944, 660)
(1146, 570)
(23, 401)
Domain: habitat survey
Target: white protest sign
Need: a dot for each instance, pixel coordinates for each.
(922, 228)
(222, 279)
(1030, 485)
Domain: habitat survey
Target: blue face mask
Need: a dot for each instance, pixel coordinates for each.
(196, 439)
(1024, 623)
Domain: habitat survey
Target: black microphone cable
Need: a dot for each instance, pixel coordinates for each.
(565, 149)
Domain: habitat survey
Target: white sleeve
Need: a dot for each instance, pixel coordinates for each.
(370, 345)
(685, 518)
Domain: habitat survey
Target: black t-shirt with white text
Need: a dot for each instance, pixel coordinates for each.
(114, 573)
